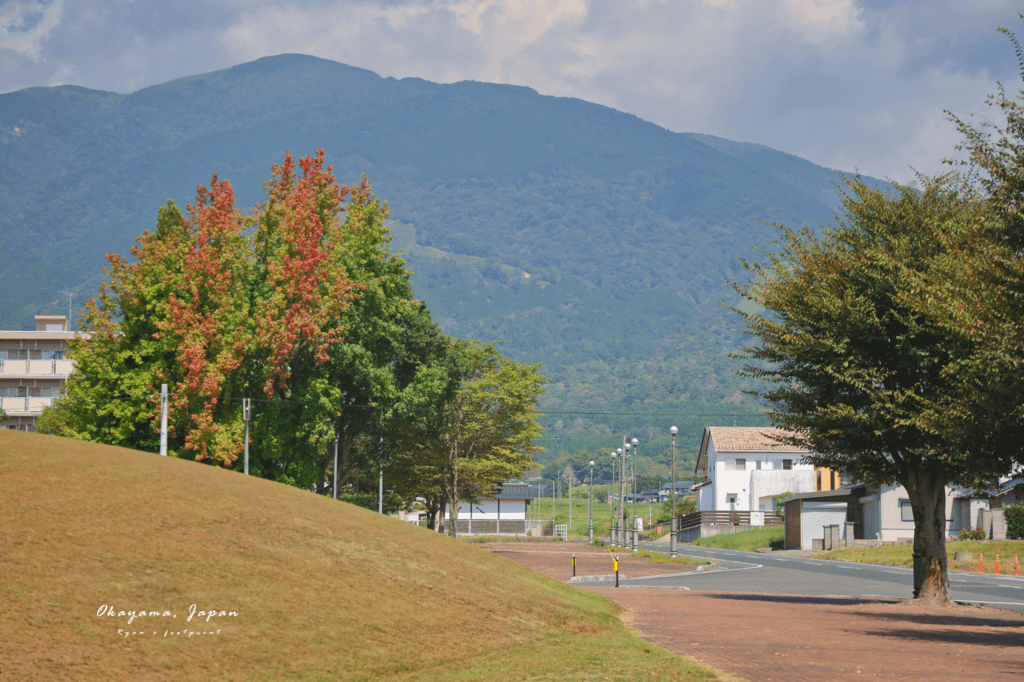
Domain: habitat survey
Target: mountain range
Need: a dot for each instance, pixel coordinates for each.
(585, 238)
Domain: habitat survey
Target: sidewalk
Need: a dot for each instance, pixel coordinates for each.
(798, 638)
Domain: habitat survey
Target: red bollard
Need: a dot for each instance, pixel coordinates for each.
(981, 562)
(997, 564)
(1016, 566)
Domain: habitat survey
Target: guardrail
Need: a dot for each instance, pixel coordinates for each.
(725, 518)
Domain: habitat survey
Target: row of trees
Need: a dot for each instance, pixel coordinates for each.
(893, 341)
(301, 307)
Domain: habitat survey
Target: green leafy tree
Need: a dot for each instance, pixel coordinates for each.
(980, 294)
(486, 431)
(220, 311)
(3, 415)
(860, 365)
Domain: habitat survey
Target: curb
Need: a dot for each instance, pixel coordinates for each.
(595, 578)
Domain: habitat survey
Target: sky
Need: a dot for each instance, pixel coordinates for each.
(849, 84)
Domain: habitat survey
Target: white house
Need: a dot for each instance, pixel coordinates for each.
(504, 513)
(746, 469)
(882, 513)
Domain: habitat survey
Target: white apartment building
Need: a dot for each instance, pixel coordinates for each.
(34, 367)
(745, 469)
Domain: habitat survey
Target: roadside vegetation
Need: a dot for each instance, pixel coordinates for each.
(747, 540)
(902, 555)
(322, 589)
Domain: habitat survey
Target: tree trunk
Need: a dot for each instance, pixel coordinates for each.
(433, 505)
(927, 493)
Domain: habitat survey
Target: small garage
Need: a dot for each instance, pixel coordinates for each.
(828, 517)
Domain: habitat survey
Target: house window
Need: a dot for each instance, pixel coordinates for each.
(13, 355)
(736, 464)
(757, 465)
(53, 355)
(906, 511)
(787, 464)
(819, 481)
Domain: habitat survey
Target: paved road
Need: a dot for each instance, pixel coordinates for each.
(777, 574)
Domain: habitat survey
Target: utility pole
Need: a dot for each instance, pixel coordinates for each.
(624, 510)
(70, 296)
(590, 504)
(636, 533)
(673, 533)
(611, 494)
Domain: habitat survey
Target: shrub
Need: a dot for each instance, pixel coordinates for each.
(973, 534)
(1014, 515)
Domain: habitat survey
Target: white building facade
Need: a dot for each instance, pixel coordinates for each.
(746, 468)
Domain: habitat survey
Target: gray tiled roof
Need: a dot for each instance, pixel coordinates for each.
(514, 491)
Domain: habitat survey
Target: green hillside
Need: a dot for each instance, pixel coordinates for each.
(584, 237)
(322, 590)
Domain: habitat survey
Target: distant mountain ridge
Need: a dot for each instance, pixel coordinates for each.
(584, 237)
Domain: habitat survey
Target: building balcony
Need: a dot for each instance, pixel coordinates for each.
(36, 368)
(24, 406)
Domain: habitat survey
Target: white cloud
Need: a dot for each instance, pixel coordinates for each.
(24, 25)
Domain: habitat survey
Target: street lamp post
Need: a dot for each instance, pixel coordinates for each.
(636, 533)
(590, 504)
(673, 533)
(611, 527)
(624, 513)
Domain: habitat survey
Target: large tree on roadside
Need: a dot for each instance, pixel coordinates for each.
(859, 361)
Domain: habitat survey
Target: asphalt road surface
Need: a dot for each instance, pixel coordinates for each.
(777, 574)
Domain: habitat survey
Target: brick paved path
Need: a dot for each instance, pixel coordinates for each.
(796, 638)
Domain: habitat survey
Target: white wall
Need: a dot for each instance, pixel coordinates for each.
(887, 525)
(817, 515)
(488, 509)
(751, 483)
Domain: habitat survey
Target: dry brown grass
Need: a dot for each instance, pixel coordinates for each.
(323, 590)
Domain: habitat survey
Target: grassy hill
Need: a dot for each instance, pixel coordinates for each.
(322, 590)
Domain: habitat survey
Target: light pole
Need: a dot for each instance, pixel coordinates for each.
(636, 533)
(611, 527)
(624, 513)
(673, 534)
(590, 504)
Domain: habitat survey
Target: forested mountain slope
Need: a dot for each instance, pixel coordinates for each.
(584, 237)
